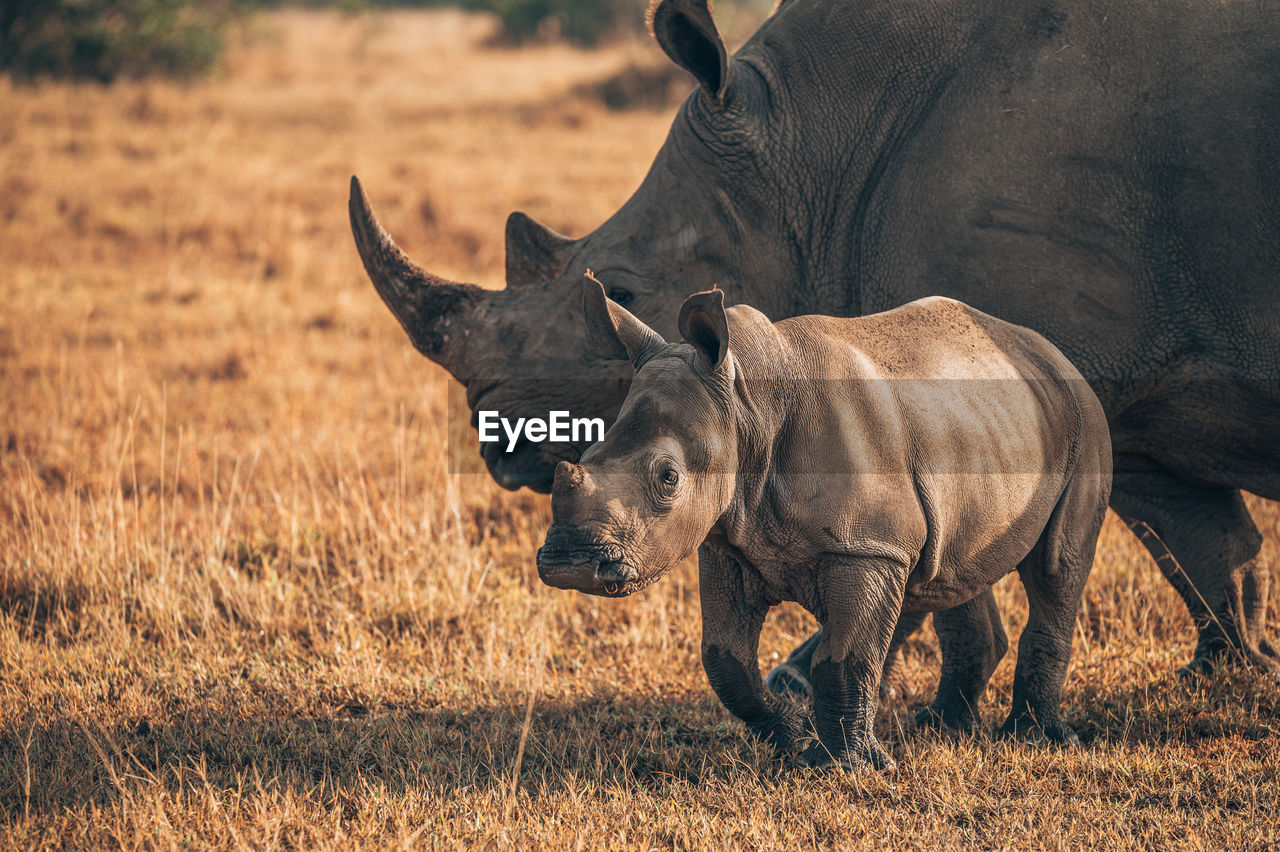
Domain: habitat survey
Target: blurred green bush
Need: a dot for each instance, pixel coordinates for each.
(584, 22)
(105, 39)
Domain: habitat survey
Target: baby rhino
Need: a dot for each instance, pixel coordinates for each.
(863, 468)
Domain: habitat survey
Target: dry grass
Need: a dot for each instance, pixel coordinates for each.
(242, 603)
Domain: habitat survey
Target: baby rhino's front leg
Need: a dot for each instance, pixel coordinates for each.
(733, 610)
(859, 600)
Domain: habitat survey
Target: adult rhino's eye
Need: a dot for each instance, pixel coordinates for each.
(670, 476)
(621, 295)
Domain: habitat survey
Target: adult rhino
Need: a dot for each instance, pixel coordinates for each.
(1106, 174)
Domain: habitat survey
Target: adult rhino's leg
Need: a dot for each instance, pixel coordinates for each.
(1256, 585)
(973, 642)
(791, 676)
(1207, 546)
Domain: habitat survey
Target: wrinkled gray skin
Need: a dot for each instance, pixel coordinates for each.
(1108, 175)
(900, 462)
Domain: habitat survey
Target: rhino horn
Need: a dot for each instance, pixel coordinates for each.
(432, 310)
(534, 251)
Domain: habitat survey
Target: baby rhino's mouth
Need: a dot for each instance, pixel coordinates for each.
(571, 561)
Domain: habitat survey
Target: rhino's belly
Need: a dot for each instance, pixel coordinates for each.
(980, 526)
(1208, 425)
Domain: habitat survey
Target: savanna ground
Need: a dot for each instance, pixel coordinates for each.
(244, 601)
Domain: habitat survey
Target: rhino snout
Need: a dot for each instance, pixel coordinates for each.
(569, 562)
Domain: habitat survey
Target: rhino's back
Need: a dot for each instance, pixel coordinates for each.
(1112, 180)
(1120, 163)
(947, 432)
(935, 338)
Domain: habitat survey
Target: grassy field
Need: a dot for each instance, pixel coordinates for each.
(244, 603)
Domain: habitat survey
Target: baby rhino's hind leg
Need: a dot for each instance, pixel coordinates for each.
(973, 642)
(1054, 575)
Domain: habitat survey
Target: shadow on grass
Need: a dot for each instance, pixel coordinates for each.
(1235, 702)
(593, 743)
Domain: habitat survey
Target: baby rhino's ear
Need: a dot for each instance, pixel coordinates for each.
(704, 324)
(613, 331)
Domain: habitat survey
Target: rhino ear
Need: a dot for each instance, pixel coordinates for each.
(613, 330)
(687, 33)
(704, 324)
(534, 252)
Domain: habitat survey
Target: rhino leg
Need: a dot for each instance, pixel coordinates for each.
(1207, 546)
(893, 675)
(861, 599)
(733, 611)
(791, 676)
(1054, 575)
(973, 642)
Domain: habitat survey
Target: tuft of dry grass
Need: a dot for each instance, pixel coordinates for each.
(244, 604)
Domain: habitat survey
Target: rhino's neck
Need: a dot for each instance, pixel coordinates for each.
(850, 85)
(765, 368)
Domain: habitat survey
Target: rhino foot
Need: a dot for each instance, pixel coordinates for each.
(958, 718)
(791, 676)
(791, 730)
(787, 679)
(871, 756)
(1210, 657)
(1267, 658)
(1027, 729)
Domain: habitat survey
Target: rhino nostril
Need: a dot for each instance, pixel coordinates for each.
(614, 572)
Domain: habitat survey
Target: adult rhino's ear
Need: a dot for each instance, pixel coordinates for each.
(534, 251)
(613, 330)
(704, 324)
(687, 33)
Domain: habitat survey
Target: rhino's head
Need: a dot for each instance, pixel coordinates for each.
(702, 215)
(646, 496)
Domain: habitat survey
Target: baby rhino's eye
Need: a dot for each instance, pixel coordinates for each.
(665, 486)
